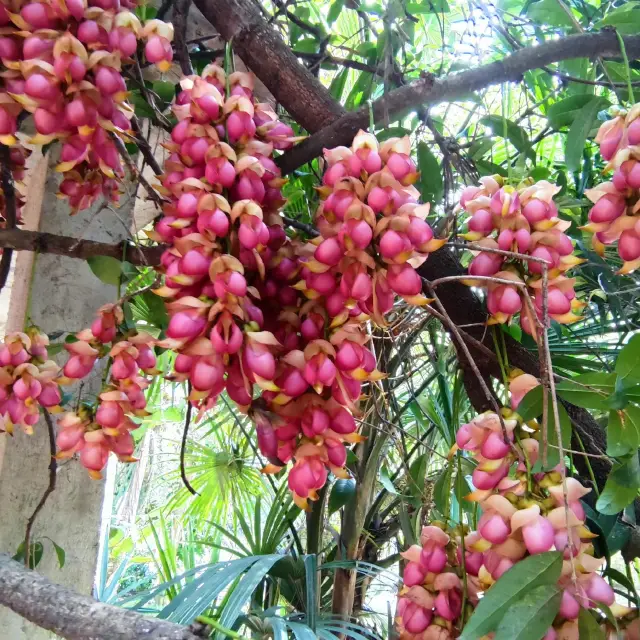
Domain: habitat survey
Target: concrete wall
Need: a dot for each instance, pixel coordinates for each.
(56, 294)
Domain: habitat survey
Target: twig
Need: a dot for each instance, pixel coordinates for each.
(474, 367)
(53, 468)
(151, 192)
(309, 229)
(183, 446)
(145, 147)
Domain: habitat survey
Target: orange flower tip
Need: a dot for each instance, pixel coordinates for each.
(164, 65)
(435, 243)
(9, 429)
(313, 495)
(354, 438)
(127, 459)
(56, 409)
(95, 475)
(452, 452)
(64, 381)
(110, 431)
(271, 469)
(472, 283)
(418, 301)
(8, 140)
(63, 167)
(63, 455)
(301, 503)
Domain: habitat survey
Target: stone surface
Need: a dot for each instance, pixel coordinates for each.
(57, 294)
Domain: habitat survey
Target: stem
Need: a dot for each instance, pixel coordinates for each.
(183, 445)
(623, 51)
(53, 468)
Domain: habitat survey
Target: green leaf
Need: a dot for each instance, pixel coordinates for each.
(424, 6)
(60, 553)
(626, 19)
(534, 571)
(310, 582)
(334, 11)
(342, 493)
(588, 627)
(307, 45)
(386, 482)
(623, 431)
(530, 406)
(588, 390)
(621, 487)
(628, 362)
(106, 268)
(531, 616)
(549, 12)
(563, 113)
(515, 133)
(392, 132)
(431, 181)
(165, 90)
(578, 133)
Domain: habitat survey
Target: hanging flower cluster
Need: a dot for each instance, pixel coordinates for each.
(28, 380)
(251, 308)
(523, 514)
(522, 219)
(615, 215)
(63, 64)
(95, 430)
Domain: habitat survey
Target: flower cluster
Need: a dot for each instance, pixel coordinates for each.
(523, 513)
(28, 380)
(615, 215)
(94, 431)
(430, 601)
(522, 219)
(63, 64)
(252, 308)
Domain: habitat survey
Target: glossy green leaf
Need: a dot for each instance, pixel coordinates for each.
(342, 493)
(621, 488)
(530, 406)
(588, 390)
(579, 132)
(107, 269)
(431, 181)
(60, 553)
(165, 90)
(534, 571)
(588, 627)
(563, 113)
(531, 616)
(628, 362)
(336, 88)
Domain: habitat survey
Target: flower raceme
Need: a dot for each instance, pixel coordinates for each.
(521, 219)
(93, 431)
(276, 321)
(28, 380)
(523, 514)
(615, 215)
(64, 66)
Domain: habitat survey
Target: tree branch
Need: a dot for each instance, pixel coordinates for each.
(76, 617)
(180, 16)
(429, 90)
(21, 240)
(264, 52)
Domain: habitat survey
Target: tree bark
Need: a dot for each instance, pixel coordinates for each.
(264, 52)
(22, 240)
(429, 90)
(77, 617)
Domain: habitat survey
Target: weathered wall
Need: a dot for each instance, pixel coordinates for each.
(56, 294)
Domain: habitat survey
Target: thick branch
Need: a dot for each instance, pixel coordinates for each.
(77, 617)
(264, 52)
(428, 91)
(73, 248)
